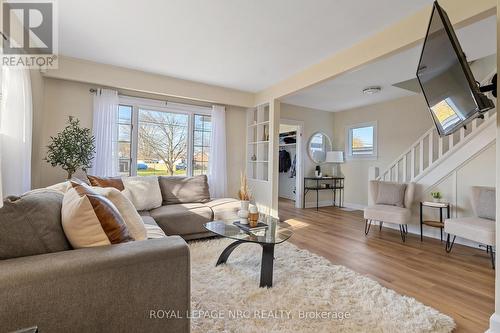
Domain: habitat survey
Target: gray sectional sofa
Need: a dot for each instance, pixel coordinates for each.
(116, 288)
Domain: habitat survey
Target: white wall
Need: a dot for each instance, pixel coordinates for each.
(62, 98)
(400, 123)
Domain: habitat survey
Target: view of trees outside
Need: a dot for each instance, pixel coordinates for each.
(362, 140)
(201, 145)
(124, 138)
(163, 143)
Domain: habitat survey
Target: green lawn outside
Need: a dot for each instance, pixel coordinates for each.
(153, 172)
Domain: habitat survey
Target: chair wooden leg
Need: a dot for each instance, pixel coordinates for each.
(449, 245)
(368, 224)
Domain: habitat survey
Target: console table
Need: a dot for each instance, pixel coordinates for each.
(317, 184)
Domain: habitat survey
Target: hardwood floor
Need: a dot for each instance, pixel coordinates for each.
(460, 284)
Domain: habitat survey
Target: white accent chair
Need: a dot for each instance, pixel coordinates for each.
(479, 228)
(389, 213)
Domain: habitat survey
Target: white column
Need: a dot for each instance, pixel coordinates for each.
(274, 125)
(495, 318)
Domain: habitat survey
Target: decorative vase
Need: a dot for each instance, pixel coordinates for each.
(244, 204)
(437, 200)
(243, 215)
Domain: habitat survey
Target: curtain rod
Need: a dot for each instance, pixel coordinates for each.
(207, 105)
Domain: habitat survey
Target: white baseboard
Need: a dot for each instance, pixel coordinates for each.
(328, 203)
(494, 324)
(354, 206)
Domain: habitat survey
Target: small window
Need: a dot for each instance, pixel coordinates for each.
(361, 141)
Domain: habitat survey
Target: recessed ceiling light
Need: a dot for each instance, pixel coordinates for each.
(371, 90)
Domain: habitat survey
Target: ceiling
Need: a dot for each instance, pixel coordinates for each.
(345, 91)
(240, 44)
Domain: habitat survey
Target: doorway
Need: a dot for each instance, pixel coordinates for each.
(291, 161)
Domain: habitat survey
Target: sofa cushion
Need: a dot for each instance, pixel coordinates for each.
(31, 224)
(472, 228)
(132, 219)
(152, 229)
(182, 219)
(387, 213)
(225, 209)
(89, 219)
(143, 191)
(115, 182)
(391, 194)
(175, 190)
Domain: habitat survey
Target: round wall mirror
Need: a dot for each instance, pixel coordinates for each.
(319, 143)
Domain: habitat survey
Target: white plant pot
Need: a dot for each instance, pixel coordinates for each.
(243, 215)
(244, 204)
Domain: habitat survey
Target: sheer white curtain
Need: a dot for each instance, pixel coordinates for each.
(16, 113)
(217, 172)
(105, 131)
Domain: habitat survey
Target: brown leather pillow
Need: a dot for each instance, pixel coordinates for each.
(115, 182)
(89, 219)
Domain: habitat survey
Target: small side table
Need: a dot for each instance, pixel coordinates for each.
(436, 224)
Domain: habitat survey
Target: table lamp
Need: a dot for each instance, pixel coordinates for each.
(335, 157)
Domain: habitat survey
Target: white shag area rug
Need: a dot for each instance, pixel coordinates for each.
(309, 294)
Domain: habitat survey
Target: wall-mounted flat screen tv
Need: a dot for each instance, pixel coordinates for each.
(452, 94)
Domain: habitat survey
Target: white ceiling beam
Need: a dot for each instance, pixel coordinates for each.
(405, 34)
(128, 79)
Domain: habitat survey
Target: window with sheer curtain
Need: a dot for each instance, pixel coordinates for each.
(162, 138)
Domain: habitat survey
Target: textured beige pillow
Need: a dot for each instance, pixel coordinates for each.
(127, 210)
(392, 194)
(143, 191)
(89, 219)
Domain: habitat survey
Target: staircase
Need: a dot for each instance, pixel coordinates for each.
(431, 158)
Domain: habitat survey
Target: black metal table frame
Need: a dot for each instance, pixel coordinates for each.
(440, 219)
(333, 188)
(267, 262)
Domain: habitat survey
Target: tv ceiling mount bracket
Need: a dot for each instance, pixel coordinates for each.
(490, 87)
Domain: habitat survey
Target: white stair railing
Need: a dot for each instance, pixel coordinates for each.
(430, 150)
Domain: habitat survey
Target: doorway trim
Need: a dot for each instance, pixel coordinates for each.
(299, 184)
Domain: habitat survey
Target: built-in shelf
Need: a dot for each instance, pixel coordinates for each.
(287, 144)
(258, 142)
(261, 123)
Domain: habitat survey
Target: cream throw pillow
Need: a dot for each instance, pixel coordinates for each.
(143, 191)
(89, 219)
(154, 231)
(127, 210)
(60, 187)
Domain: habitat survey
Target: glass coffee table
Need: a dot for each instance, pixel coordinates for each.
(267, 238)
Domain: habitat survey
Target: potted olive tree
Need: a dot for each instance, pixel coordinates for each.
(73, 148)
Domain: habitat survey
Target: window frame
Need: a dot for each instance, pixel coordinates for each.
(348, 142)
(162, 106)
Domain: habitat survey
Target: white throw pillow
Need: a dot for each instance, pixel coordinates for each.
(60, 187)
(154, 231)
(127, 210)
(143, 191)
(89, 219)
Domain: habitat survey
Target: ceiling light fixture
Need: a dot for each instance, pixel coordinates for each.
(371, 90)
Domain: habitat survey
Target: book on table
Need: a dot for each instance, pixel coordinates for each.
(246, 227)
